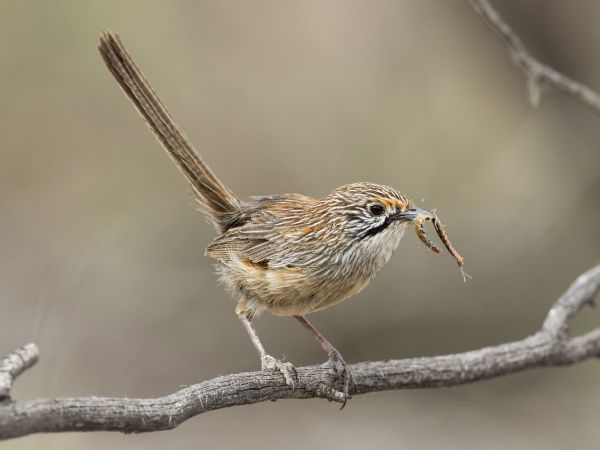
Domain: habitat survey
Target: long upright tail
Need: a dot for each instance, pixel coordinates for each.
(214, 199)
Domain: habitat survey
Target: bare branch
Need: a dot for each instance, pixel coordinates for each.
(550, 346)
(14, 365)
(539, 75)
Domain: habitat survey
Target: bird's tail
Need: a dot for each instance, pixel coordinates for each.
(213, 198)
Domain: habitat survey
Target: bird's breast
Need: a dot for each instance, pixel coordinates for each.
(330, 278)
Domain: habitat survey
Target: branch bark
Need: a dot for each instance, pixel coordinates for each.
(539, 75)
(550, 346)
(14, 365)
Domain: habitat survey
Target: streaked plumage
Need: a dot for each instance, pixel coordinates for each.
(293, 255)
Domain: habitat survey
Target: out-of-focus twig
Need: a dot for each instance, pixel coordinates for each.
(550, 346)
(539, 75)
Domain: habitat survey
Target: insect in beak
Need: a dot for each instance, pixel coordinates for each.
(418, 216)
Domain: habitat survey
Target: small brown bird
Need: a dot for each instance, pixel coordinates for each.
(287, 254)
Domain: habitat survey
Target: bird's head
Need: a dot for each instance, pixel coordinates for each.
(365, 221)
(369, 211)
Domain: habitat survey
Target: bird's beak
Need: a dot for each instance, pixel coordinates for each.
(411, 213)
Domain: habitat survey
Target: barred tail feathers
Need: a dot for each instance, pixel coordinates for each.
(213, 198)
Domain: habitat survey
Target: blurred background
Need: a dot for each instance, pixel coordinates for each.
(101, 254)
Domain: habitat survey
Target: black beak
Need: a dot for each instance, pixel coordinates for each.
(411, 213)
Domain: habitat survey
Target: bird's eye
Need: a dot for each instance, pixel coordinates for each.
(376, 209)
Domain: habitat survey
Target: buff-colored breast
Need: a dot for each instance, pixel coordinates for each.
(284, 291)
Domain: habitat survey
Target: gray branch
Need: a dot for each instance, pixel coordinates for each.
(14, 365)
(550, 346)
(539, 75)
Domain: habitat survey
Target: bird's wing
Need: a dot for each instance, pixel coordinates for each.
(266, 232)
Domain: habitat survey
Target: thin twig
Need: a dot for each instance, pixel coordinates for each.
(550, 346)
(539, 75)
(14, 364)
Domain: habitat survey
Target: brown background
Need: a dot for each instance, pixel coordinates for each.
(101, 255)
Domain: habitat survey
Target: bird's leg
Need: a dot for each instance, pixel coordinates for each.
(340, 367)
(267, 361)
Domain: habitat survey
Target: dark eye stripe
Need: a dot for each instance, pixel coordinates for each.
(378, 229)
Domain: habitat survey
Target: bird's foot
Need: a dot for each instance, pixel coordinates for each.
(287, 369)
(341, 370)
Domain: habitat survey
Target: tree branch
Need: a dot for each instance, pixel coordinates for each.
(539, 75)
(14, 365)
(550, 346)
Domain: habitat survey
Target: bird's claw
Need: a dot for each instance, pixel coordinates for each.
(287, 369)
(341, 370)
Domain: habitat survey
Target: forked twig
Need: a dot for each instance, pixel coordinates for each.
(539, 75)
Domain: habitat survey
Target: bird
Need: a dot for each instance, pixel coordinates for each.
(286, 254)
